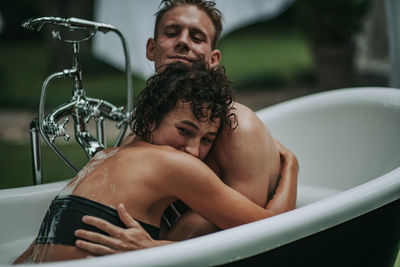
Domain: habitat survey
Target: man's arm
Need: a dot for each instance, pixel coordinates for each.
(119, 239)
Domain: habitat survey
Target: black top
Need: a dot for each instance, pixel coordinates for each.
(64, 216)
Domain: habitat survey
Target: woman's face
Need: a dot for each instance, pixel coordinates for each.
(182, 130)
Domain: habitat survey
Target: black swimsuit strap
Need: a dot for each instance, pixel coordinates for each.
(64, 216)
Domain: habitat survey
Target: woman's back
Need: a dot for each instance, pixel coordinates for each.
(128, 175)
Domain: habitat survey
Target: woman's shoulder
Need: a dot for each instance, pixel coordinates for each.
(173, 157)
(158, 155)
(161, 165)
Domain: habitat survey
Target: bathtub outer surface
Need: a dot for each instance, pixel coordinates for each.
(348, 146)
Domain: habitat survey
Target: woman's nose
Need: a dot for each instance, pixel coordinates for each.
(193, 148)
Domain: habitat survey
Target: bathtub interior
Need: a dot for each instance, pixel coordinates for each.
(22, 211)
(342, 139)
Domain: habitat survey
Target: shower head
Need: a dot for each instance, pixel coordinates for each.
(72, 23)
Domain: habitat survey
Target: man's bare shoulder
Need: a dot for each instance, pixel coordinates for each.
(248, 122)
(246, 158)
(250, 129)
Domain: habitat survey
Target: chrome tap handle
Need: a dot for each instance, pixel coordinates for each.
(62, 131)
(125, 117)
(96, 110)
(57, 130)
(93, 112)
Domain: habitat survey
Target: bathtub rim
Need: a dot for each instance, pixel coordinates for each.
(245, 241)
(32, 190)
(383, 95)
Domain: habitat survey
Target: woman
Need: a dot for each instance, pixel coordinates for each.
(178, 113)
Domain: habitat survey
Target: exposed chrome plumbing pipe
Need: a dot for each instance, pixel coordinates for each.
(81, 108)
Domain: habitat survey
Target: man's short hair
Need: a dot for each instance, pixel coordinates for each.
(207, 6)
(206, 89)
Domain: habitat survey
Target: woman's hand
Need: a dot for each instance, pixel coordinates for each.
(119, 239)
(289, 162)
(285, 195)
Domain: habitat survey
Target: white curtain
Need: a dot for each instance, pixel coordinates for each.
(135, 19)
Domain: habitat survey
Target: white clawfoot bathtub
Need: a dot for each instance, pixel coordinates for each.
(348, 213)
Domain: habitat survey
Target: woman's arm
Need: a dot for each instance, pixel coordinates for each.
(190, 180)
(137, 238)
(284, 199)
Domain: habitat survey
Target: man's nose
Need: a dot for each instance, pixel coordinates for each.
(193, 147)
(183, 42)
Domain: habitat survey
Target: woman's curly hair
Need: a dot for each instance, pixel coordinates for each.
(205, 88)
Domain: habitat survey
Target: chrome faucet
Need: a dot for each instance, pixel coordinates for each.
(81, 108)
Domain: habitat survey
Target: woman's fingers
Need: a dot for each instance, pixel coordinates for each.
(289, 160)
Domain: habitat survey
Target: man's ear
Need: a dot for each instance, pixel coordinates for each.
(215, 58)
(150, 48)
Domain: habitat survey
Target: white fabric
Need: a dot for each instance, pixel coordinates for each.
(393, 20)
(135, 19)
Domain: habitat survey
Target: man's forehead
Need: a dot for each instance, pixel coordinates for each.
(184, 12)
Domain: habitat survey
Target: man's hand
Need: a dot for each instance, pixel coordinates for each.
(119, 239)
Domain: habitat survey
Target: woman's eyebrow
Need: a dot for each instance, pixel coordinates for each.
(190, 123)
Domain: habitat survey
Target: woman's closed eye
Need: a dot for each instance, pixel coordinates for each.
(184, 132)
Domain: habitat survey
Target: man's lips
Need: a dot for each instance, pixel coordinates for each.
(182, 59)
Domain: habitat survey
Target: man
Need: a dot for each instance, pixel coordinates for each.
(187, 31)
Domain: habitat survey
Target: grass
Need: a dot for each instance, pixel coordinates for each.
(27, 66)
(17, 164)
(274, 58)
